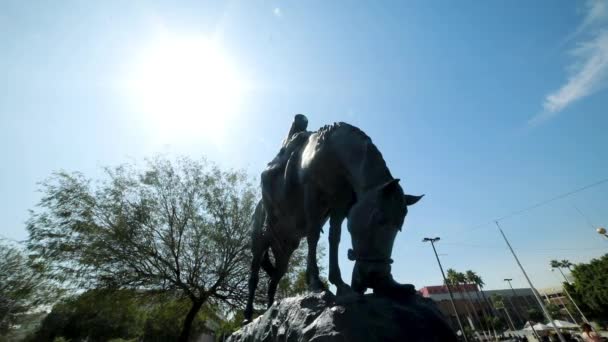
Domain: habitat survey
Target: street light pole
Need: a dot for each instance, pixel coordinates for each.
(509, 317)
(432, 241)
(538, 299)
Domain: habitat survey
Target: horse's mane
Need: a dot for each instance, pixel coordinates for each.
(328, 130)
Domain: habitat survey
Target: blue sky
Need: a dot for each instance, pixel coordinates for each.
(486, 107)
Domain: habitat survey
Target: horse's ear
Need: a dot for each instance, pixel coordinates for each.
(411, 199)
(389, 186)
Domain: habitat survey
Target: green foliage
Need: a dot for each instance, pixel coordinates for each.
(473, 278)
(497, 323)
(96, 315)
(227, 327)
(555, 264)
(536, 315)
(456, 278)
(566, 264)
(23, 287)
(174, 226)
(298, 285)
(590, 289)
(498, 301)
(164, 321)
(294, 281)
(452, 277)
(121, 315)
(554, 310)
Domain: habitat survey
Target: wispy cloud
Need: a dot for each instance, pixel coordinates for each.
(277, 12)
(596, 13)
(589, 69)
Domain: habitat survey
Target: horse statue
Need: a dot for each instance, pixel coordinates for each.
(333, 173)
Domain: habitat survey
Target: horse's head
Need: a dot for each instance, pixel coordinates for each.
(373, 223)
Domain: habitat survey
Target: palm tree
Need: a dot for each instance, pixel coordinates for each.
(473, 278)
(567, 264)
(453, 278)
(559, 265)
(464, 280)
(457, 279)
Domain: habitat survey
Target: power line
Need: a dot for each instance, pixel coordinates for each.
(530, 249)
(585, 217)
(534, 206)
(558, 197)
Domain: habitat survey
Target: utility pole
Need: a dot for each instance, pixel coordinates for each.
(538, 299)
(432, 241)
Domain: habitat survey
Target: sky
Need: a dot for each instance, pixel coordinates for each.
(487, 108)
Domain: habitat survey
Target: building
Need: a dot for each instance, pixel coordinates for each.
(472, 304)
(557, 297)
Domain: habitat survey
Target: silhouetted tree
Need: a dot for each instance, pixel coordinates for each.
(589, 288)
(177, 226)
(23, 285)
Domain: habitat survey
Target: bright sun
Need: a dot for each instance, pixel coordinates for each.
(187, 88)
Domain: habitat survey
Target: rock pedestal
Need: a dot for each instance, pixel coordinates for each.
(322, 317)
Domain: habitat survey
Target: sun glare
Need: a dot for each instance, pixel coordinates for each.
(187, 88)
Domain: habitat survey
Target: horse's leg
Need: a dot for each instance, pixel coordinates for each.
(259, 247)
(253, 281)
(281, 261)
(312, 269)
(335, 277)
(313, 230)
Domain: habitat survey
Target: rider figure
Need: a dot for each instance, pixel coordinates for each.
(275, 170)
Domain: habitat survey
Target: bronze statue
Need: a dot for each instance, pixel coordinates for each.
(333, 173)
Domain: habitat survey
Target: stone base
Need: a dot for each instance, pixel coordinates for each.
(324, 317)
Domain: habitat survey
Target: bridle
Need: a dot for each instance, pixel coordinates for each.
(352, 256)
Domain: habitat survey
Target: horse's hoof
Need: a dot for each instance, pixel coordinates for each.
(390, 288)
